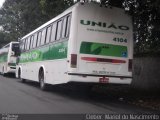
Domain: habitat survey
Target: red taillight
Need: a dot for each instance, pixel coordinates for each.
(73, 60)
(102, 60)
(130, 65)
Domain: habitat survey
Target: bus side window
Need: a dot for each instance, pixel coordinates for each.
(31, 42)
(64, 27)
(68, 26)
(43, 36)
(35, 40)
(23, 48)
(28, 43)
(39, 38)
(22, 45)
(59, 27)
(48, 34)
(53, 33)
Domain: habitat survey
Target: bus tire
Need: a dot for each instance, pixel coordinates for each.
(43, 85)
(19, 76)
(3, 73)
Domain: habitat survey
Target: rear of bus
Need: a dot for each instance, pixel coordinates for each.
(13, 54)
(101, 45)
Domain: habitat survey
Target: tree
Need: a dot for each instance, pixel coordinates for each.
(9, 19)
(146, 17)
(19, 17)
(51, 8)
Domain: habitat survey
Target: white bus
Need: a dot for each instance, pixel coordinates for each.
(86, 43)
(8, 57)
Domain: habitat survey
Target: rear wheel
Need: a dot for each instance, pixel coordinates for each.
(43, 85)
(19, 76)
(3, 73)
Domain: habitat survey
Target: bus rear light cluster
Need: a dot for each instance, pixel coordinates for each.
(73, 60)
(93, 59)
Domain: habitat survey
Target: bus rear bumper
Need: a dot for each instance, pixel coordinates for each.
(11, 70)
(99, 78)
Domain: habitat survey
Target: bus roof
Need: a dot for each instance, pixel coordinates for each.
(69, 10)
(51, 21)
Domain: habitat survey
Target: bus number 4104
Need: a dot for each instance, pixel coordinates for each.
(120, 40)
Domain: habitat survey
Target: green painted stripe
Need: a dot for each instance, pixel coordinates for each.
(50, 52)
(103, 49)
(3, 57)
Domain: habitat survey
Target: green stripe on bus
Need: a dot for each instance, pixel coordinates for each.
(3, 57)
(103, 49)
(49, 52)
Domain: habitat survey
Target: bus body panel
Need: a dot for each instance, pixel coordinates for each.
(53, 75)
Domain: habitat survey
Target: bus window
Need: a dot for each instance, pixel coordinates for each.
(23, 41)
(28, 43)
(68, 26)
(43, 36)
(31, 44)
(64, 28)
(53, 33)
(59, 27)
(48, 34)
(39, 38)
(22, 44)
(35, 40)
(15, 49)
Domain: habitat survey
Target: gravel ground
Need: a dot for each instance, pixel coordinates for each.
(144, 98)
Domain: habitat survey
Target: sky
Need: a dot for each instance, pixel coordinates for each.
(1, 2)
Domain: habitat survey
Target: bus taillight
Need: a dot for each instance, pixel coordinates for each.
(130, 65)
(73, 60)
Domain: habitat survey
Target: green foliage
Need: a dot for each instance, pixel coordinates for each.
(146, 17)
(19, 17)
(51, 8)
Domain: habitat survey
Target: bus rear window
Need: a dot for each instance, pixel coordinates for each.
(16, 49)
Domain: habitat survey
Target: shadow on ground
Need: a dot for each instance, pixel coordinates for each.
(124, 94)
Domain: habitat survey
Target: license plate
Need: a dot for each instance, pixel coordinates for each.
(103, 80)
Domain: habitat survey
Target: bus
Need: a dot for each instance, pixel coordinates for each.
(8, 58)
(86, 43)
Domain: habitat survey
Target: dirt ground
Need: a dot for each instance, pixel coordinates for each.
(125, 93)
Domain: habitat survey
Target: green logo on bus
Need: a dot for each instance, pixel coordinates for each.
(50, 52)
